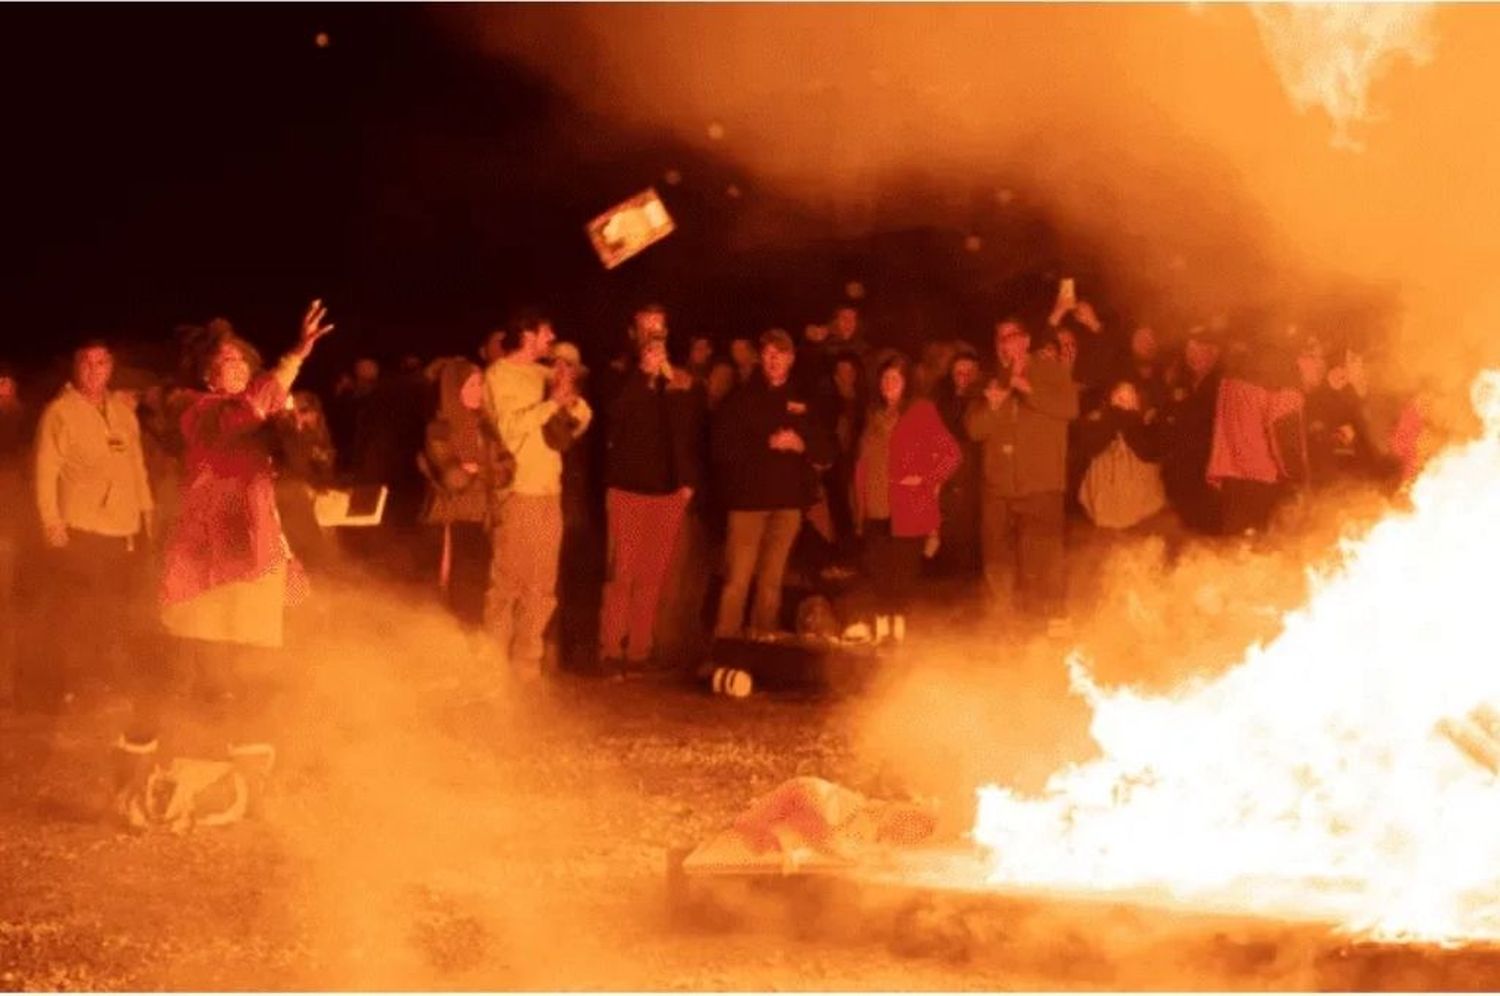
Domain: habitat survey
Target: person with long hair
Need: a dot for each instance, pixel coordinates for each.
(456, 464)
(226, 564)
(848, 406)
(958, 546)
(906, 454)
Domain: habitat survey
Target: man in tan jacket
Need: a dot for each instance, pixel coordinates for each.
(536, 415)
(94, 502)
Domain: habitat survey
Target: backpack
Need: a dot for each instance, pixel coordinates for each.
(1120, 489)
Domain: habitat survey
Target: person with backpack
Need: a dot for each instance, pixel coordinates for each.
(1121, 450)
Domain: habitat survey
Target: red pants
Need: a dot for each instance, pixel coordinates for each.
(642, 533)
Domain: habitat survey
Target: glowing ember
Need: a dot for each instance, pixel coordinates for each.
(1330, 55)
(1312, 780)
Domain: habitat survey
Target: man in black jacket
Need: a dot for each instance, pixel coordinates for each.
(651, 469)
(767, 446)
(1187, 435)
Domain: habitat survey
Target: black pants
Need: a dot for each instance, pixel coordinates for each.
(959, 552)
(1248, 505)
(93, 615)
(469, 575)
(894, 566)
(205, 696)
(1024, 553)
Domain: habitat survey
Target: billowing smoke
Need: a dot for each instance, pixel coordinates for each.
(1280, 163)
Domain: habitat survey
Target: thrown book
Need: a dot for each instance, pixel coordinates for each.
(630, 227)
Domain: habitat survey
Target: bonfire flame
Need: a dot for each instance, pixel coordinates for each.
(1315, 779)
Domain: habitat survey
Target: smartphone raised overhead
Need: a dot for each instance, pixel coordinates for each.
(1067, 292)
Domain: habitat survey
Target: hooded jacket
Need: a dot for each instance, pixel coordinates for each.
(455, 437)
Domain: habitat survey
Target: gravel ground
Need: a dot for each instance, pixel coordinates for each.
(435, 826)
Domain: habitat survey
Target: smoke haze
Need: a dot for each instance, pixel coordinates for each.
(1317, 165)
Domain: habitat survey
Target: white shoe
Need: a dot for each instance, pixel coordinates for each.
(882, 628)
(898, 629)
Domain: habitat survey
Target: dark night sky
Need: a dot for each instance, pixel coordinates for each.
(167, 164)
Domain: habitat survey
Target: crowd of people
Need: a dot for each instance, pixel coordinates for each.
(617, 521)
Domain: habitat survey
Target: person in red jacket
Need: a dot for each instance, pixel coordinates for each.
(906, 454)
(227, 572)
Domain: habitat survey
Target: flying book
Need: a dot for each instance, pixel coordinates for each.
(629, 227)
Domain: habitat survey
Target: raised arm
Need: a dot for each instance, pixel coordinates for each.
(268, 393)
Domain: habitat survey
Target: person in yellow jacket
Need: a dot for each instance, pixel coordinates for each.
(537, 414)
(94, 502)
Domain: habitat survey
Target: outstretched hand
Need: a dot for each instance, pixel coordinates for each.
(313, 328)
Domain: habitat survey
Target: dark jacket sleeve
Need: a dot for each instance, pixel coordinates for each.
(560, 431)
(687, 414)
(1095, 431)
(818, 441)
(727, 431)
(1098, 429)
(1100, 358)
(1144, 434)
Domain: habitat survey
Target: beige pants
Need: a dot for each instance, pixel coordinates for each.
(523, 576)
(757, 548)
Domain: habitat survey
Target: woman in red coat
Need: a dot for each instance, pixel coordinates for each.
(226, 564)
(906, 454)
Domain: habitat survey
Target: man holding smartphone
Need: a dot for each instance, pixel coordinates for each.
(1021, 423)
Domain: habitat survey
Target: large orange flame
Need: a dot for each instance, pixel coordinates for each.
(1314, 779)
